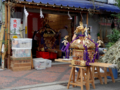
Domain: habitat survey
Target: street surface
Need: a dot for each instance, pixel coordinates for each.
(109, 86)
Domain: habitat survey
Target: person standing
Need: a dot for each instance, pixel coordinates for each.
(63, 33)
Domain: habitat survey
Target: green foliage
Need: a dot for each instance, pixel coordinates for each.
(114, 36)
(118, 3)
(110, 44)
(98, 34)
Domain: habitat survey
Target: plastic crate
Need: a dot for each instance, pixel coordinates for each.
(48, 63)
(22, 43)
(45, 55)
(53, 55)
(39, 63)
(21, 52)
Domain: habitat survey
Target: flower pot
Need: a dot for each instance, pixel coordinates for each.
(115, 73)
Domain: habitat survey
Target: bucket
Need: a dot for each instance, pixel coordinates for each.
(115, 73)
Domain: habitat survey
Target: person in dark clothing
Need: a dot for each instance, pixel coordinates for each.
(63, 32)
(34, 44)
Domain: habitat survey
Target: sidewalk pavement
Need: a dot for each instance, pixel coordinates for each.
(10, 79)
(56, 75)
(63, 86)
(109, 86)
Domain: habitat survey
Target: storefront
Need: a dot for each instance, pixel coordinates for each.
(56, 16)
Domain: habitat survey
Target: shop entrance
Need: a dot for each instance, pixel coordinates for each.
(50, 24)
(34, 23)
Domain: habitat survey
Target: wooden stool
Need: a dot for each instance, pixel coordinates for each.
(82, 79)
(105, 74)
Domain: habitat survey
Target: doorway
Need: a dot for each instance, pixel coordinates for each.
(34, 23)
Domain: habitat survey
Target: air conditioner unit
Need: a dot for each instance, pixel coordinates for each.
(112, 2)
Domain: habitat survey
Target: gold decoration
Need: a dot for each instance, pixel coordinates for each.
(82, 63)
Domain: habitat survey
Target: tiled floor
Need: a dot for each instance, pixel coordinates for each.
(10, 79)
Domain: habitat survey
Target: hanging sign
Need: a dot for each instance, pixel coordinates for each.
(15, 25)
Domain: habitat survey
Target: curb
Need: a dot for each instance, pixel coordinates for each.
(36, 85)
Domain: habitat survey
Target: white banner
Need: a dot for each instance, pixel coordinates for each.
(15, 24)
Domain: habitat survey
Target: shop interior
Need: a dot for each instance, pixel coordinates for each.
(44, 32)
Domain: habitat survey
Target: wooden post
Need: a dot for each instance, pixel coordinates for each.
(3, 59)
(8, 64)
(81, 17)
(87, 19)
(6, 31)
(6, 22)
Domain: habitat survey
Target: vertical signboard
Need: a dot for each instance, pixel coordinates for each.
(15, 25)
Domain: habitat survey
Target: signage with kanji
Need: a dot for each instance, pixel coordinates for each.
(15, 25)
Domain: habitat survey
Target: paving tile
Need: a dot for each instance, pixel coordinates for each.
(65, 77)
(10, 73)
(10, 79)
(4, 81)
(24, 82)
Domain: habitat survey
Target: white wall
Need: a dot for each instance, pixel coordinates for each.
(94, 22)
(111, 1)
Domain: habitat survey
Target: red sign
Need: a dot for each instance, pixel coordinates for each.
(15, 23)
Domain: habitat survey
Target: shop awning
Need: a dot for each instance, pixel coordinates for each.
(79, 3)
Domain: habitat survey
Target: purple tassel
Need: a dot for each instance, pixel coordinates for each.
(67, 54)
(84, 55)
(96, 50)
(66, 49)
(87, 56)
(63, 48)
(93, 60)
(97, 56)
